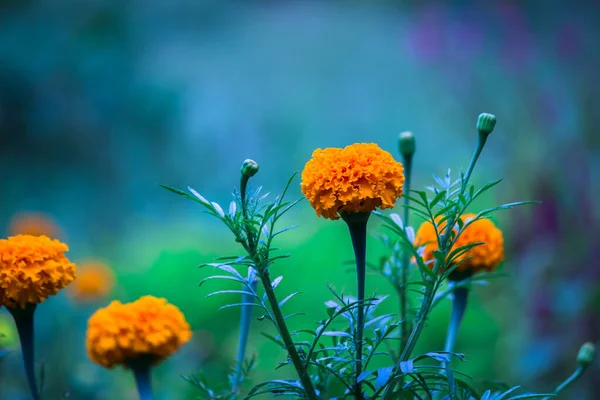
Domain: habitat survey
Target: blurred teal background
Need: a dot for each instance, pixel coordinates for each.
(102, 100)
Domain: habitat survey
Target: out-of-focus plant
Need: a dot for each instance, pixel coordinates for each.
(451, 251)
(95, 281)
(137, 336)
(33, 223)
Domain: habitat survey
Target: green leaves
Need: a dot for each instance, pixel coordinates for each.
(325, 355)
(277, 388)
(489, 395)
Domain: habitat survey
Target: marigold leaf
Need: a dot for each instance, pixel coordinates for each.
(241, 305)
(218, 209)
(337, 334)
(242, 292)
(198, 196)
(285, 300)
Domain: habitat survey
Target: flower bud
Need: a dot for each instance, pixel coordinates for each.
(486, 123)
(586, 354)
(249, 168)
(406, 144)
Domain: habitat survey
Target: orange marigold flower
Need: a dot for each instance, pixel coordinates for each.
(484, 257)
(31, 269)
(32, 223)
(120, 333)
(95, 281)
(358, 178)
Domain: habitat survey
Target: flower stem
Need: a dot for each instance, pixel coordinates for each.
(459, 305)
(243, 187)
(245, 320)
(24, 321)
(286, 337)
(404, 329)
(141, 371)
(480, 144)
(357, 224)
(567, 382)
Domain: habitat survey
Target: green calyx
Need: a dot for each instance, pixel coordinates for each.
(249, 168)
(406, 144)
(486, 123)
(586, 354)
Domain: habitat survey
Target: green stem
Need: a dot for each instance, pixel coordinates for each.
(406, 256)
(357, 224)
(429, 296)
(246, 316)
(459, 305)
(474, 158)
(243, 187)
(285, 336)
(141, 368)
(25, 327)
(567, 382)
(245, 320)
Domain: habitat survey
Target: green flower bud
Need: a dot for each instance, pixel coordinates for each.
(406, 144)
(249, 168)
(486, 123)
(586, 354)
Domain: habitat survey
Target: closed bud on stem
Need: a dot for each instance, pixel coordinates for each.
(406, 144)
(249, 168)
(586, 354)
(486, 123)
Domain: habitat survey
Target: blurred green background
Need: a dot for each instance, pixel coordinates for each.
(102, 100)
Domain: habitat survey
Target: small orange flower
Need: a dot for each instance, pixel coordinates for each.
(120, 333)
(32, 223)
(94, 281)
(484, 257)
(31, 269)
(358, 178)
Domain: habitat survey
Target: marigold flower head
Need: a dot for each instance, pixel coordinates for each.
(358, 178)
(147, 327)
(484, 257)
(31, 269)
(95, 281)
(33, 223)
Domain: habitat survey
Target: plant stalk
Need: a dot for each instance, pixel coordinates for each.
(141, 371)
(357, 225)
(405, 256)
(286, 337)
(459, 305)
(567, 382)
(245, 320)
(480, 144)
(243, 187)
(25, 327)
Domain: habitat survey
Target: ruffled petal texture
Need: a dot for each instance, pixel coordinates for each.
(149, 326)
(358, 178)
(31, 269)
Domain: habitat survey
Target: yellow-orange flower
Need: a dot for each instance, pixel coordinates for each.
(31, 269)
(358, 178)
(95, 281)
(146, 327)
(35, 224)
(484, 257)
